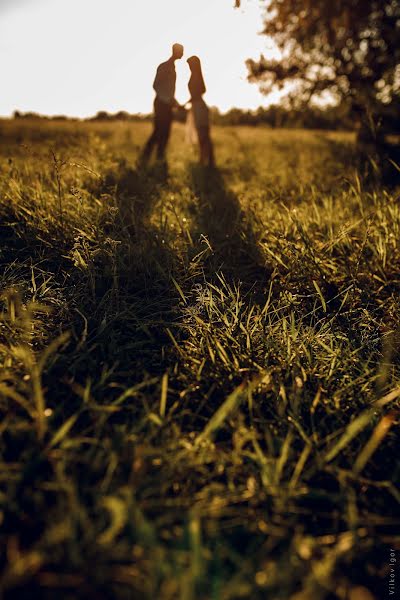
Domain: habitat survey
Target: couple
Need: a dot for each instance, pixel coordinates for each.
(198, 118)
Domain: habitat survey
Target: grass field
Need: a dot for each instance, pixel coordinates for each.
(200, 370)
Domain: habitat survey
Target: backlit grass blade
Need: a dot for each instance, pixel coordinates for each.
(318, 289)
(218, 419)
(379, 433)
(179, 289)
(9, 392)
(359, 423)
(283, 458)
(63, 431)
(352, 430)
(300, 465)
(164, 392)
(117, 510)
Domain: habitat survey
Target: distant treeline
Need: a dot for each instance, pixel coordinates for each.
(341, 117)
(275, 116)
(102, 115)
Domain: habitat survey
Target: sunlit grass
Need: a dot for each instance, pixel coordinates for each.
(200, 370)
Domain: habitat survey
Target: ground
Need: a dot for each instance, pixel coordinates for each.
(200, 368)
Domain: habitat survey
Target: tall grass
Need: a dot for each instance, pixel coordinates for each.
(200, 383)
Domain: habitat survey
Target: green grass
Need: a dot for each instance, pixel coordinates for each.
(200, 370)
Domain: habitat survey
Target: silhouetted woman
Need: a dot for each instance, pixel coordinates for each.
(198, 117)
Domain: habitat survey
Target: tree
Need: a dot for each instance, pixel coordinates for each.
(347, 48)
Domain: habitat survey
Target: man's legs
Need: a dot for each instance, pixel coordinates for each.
(161, 131)
(165, 129)
(155, 136)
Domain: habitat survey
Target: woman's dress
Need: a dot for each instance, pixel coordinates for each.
(198, 119)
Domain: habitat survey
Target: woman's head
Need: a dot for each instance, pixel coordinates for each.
(194, 63)
(197, 86)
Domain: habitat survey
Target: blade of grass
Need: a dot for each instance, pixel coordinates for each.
(63, 431)
(319, 292)
(379, 433)
(218, 419)
(164, 392)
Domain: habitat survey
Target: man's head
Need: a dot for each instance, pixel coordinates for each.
(177, 51)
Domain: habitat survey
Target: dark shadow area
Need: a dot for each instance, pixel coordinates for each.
(380, 163)
(377, 163)
(119, 304)
(343, 151)
(229, 231)
(117, 310)
(135, 191)
(133, 291)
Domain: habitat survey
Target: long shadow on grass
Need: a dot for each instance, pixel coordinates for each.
(221, 220)
(118, 305)
(135, 299)
(137, 192)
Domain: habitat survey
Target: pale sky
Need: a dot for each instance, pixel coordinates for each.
(76, 57)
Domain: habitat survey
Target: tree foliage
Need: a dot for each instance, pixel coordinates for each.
(350, 48)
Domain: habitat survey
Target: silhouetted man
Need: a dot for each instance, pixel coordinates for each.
(164, 86)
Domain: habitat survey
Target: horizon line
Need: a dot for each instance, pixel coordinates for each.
(11, 115)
